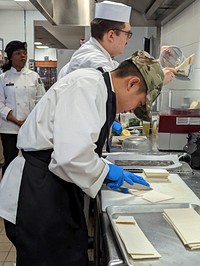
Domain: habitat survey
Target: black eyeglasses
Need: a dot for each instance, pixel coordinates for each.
(129, 33)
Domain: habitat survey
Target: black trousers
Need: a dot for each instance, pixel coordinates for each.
(50, 224)
(10, 229)
(10, 150)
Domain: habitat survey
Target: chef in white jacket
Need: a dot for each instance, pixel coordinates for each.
(110, 33)
(61, 142)
(20, 90)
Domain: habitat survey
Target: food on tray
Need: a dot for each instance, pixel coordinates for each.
(136, 243)
(125, 132)
(156, 175)
(125, 220)
(155, 196)
(184, 68)
(186, 223)
(195, 105)
(133, 122)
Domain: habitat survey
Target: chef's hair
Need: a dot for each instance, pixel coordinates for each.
(7, 65)
(100, 26)
(127, 68)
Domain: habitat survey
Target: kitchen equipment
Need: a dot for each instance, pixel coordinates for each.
(136, 186)
(137, 144)
(146, 128)
(158, 231)
(193, 150)
(178, 116)
(172, 56)
(131, 161)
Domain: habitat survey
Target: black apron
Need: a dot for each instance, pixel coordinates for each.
(50, 224)
(110, 117)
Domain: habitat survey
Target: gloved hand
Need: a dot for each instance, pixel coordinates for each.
(117, 176)
(117, 128)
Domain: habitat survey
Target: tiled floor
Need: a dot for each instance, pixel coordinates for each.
(7, 250)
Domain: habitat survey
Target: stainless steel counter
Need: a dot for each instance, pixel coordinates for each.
(111, 254)
(193, 182)
(179, 254)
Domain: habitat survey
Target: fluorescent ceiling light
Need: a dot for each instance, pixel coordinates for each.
(21, 0)
(42, 46)
(37, 43)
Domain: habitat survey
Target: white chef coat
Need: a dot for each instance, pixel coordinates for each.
(90, 55)
(9, 189)
(19, 92)
(68, 119)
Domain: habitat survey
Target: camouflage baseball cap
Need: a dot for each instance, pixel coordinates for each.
(153, 76)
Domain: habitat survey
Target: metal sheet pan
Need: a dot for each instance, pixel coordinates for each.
(169, 161)
(159, 233)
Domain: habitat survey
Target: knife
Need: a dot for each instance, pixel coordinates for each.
(136, 186)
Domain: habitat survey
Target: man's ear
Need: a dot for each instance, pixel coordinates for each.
(110, 35)
(133, 81)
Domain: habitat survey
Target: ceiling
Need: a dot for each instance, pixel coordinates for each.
(66, 19)
(12, 5)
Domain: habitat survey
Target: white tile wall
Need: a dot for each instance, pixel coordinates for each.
(184, 32)
(12, 27)
(137, 41)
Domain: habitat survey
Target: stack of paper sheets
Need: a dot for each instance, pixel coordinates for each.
(186, 223)
(135, 242)
(156, 175)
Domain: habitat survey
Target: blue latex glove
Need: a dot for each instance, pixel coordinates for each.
(117, 176)
(117, 128)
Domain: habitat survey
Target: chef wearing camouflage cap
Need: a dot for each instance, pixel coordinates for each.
(61, 142)
(153, 77)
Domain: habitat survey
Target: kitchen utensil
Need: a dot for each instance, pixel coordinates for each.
(137, 144)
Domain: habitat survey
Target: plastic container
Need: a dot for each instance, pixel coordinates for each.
(180, 101)
(137, 144)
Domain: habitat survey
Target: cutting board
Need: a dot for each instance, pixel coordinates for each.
(176, 188)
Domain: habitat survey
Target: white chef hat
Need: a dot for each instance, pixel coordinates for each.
(113, 11)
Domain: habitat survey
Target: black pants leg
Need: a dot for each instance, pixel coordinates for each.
(10, 231)
(10, 150)
(50, 224)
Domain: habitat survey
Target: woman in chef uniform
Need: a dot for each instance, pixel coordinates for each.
(61, 142)
(20, 90)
